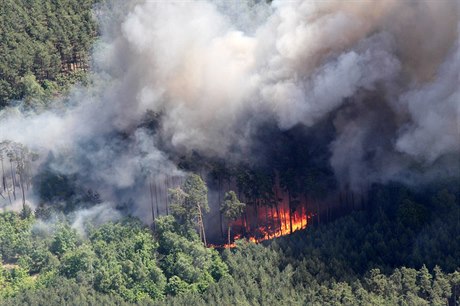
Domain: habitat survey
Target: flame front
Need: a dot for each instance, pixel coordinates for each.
(264, 223)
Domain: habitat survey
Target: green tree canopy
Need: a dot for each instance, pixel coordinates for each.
(190, 202)
(232, 209)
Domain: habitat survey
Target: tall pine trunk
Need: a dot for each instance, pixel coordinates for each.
(4, 181)
(229, 228)
(277, 209)
(301, 215)
(256, 204)
(23, 193)
(218, 201)
(201, 225)
(13, 180)
(280, 212)
(290, 212)
(306, 209)
(151, 201)
(266, 221)
(156, 199)
(167, 198)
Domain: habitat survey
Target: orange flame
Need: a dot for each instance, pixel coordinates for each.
(278, 222)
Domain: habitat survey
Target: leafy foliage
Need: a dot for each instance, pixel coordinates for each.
(123, 259)
(394, 252)
(231, 208)
(190, 202)
(372, 257)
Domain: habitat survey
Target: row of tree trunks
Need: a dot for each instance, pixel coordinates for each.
(201, 226)
(20, 159)
(286, 214)
(158, 193)
(75, 63)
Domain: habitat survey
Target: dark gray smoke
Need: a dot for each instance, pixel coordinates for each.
(387, 70)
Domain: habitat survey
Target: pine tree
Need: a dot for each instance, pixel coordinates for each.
(231, 208)
(190, 203)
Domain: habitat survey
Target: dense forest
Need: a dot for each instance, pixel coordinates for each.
(402, 251)
(145, 183)
(45, 48)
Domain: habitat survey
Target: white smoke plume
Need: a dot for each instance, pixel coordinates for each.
(387, 71)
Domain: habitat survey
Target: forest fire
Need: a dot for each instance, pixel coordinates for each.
(264, 223)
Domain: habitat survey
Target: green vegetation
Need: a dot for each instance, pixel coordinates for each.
(123, 260)
(231, 208)
(44, 47)
(393, 246)
(190, 202)
(379, 256)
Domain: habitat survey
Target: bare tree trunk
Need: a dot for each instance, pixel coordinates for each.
(256, 211)
(301, 216)
(3, 174)
(156, 199)
(200, 232)
(247, 228)
(306, 211)
(266, 221)
(155, 192)
(277, 209)
(167, 199)
(13, 180)
(294, 218)
(228, 233)
(23, 193)
(220, 214)
(247, 216)
(4, 182)
(204, 233)
(201, 225)
(281, 217)
(151, 201)
(290, 212)
(27, 174)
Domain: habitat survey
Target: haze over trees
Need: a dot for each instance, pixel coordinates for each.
(139, 206)
(15, 163)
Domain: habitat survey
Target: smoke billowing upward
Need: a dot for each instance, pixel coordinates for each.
(385, 72)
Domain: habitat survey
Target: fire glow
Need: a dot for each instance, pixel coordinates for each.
(264, 223)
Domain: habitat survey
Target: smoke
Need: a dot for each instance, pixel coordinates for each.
(99, 214)
(386, 73)
(435, 113)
